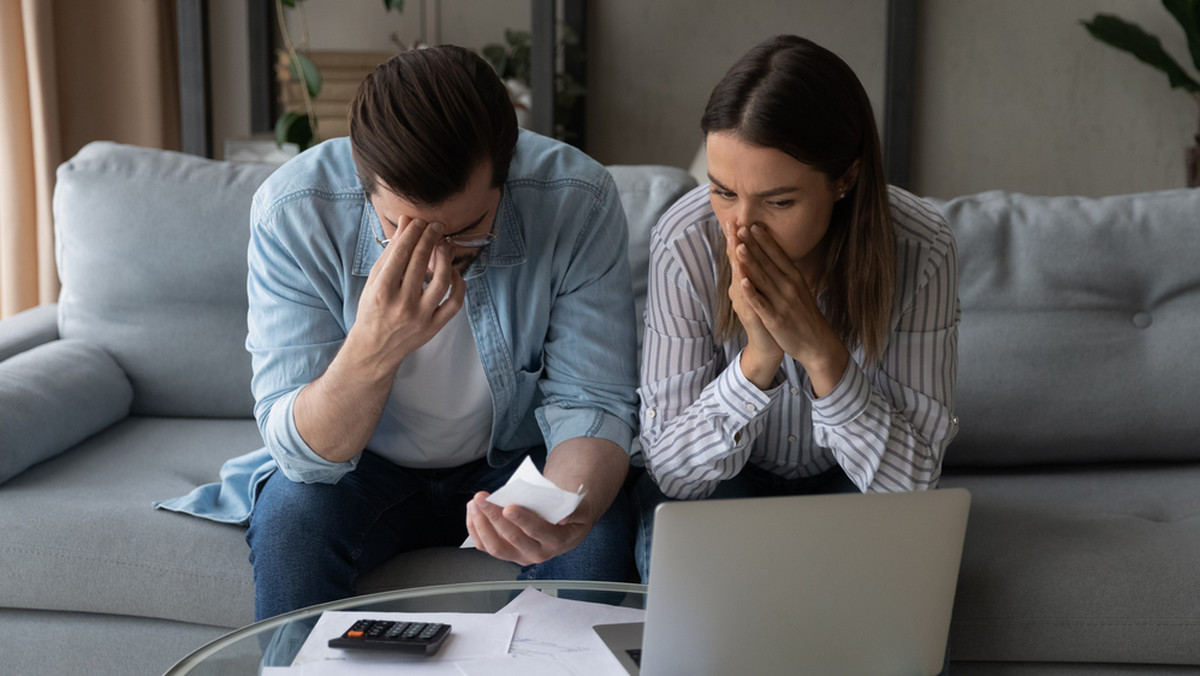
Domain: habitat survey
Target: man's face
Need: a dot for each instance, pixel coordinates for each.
(467, 217)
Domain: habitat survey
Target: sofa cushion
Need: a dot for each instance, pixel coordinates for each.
(1079, 322)
(1074, 564)
(80, 535)
(54, 396)
(152, 258)
(646, 192)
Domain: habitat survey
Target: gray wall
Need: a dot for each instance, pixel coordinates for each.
(1015, 94)
(653, 64)
(1011, 94)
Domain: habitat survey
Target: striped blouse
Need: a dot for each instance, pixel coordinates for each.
(886, 424)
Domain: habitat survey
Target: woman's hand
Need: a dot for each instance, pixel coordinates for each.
(780, 296)
(762, 356)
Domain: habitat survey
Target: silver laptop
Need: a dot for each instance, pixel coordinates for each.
(850, 584)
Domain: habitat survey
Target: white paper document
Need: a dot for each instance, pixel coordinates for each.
(528, 488)
(555, 636)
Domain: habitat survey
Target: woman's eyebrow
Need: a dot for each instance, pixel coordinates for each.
(781, 190)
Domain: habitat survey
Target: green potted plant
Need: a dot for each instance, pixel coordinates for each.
(1132, 38)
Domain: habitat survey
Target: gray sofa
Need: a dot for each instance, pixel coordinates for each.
(1076, 398)
(1079, 408)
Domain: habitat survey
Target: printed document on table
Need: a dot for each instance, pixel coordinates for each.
(555, 636)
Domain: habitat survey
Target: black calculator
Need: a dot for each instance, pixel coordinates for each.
(414, 638)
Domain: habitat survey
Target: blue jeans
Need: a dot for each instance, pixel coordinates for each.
(310, 542)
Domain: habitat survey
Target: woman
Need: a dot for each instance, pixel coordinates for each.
(801, 320)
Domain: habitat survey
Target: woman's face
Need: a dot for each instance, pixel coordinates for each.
(755, 185)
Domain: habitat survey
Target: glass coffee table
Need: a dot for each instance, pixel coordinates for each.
(275, 642)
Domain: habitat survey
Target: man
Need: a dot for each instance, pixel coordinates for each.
(432, 300)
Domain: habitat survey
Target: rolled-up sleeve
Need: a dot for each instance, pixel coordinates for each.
(589, 384)
(293, 335)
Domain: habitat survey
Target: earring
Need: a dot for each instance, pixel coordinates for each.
(842, 195)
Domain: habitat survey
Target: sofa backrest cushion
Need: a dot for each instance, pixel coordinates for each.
(1080, 322)
(646, 191)
(151, 249)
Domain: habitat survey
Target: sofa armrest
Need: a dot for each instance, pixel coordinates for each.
(28, 329)
(54, 396)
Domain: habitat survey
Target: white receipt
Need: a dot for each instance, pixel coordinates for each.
(529, 489)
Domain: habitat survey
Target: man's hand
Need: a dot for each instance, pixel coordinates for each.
(399, 311)
(516, 534)
(337, 413)
(778, 293)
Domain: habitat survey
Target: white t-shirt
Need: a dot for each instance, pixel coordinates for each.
(440, 405)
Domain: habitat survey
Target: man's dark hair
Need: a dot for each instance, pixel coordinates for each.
(423, 121)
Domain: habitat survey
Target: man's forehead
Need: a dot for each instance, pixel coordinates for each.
(459, 213)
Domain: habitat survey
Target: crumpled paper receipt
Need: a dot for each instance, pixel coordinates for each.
(529, 489)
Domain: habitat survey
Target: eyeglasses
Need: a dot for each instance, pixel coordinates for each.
(476, 241)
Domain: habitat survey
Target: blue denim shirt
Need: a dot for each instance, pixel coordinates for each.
(549, 303)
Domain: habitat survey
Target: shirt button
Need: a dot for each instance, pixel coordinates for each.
(751, 408)
(791, 438)
(650, 413)
(795, 390)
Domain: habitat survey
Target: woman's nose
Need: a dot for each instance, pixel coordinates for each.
(743, 215)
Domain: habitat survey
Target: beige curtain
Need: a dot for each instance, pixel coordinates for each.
(71, 72)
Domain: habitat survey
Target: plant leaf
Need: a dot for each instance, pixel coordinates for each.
(389, 5)
(312, 76)
(293, 128)
(1131, 38)
(498, 57)
(289, 3)
(1187, 13)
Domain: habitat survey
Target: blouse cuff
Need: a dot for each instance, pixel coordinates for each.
(848, 399)
(740, 398)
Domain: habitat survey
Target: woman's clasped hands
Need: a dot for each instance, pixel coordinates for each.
(775, 302)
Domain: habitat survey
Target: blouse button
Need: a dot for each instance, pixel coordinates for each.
(650, 413)
(751, 408)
